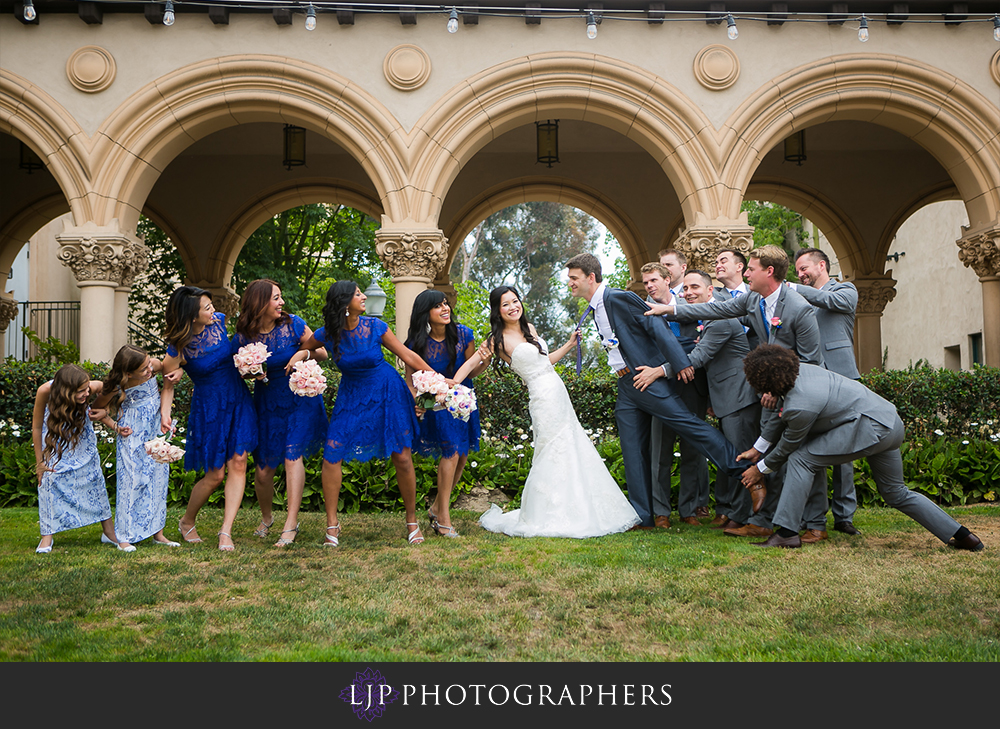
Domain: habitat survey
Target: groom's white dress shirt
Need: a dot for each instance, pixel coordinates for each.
(615, 359)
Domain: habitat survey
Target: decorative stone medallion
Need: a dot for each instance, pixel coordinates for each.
(407, 67)
(91, 69)
(716, 67)
(995, 68)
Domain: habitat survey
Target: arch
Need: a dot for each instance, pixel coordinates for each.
(147, 131)
(604, 91)
(934, 194)
(24, 224)
(549, 189)
(935, 109)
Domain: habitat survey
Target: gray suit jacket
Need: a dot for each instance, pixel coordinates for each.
(720, 351)
(823, 414)
(836, 304)
(798, 331)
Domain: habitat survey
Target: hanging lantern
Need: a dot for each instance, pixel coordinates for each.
(295, 146)
(795, 148)
(547, 136)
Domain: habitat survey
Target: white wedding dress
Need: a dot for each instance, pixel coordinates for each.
(569, 492)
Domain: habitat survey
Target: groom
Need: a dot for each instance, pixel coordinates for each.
(633, 340)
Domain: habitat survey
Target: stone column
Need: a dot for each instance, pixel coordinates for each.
(874, 292)
(980, 251)
(98, 255)
(8, 313)
(414, 258)
(701, 242)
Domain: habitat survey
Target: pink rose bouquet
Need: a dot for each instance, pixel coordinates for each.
(163, 451)
(307, 379)
(251, 360)
(460, 401)
(431, 389)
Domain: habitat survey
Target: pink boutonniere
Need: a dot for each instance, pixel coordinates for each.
(701, 327)
(775, 322)
(781, 412)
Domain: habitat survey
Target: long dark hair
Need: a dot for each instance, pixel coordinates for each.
(67, 417)
(127, 361)
(338, 296)
(182, 310)
(420, 318)
(256, 297)
(497, 323)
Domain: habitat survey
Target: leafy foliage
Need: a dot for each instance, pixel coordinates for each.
(776, 225)
(153, 287)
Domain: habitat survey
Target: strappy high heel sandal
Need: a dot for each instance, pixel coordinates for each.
(414, 537)
(282, 542)
(226, 547)
(332, 540)
(432, 518)
(263, 530)
(184, 534)
(444, 531)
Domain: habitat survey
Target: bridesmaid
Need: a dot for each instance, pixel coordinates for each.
(373, 416)
(289, 428)
(221, 427)
(446, 345)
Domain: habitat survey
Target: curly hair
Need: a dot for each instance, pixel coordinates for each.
(256, 297)
(67, 417)
(771, 368)
(128, 360)
(418, 334)
(338, 296)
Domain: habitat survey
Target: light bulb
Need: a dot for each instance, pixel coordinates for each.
(863, 30)
(30, 14)
(996, 28)
(453, 21)
(310, 17)
(591, 26)
(731, 30)
(168, 14)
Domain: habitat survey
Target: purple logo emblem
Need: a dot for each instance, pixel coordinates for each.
(369, 694)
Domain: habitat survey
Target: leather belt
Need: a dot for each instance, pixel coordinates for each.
(623, 371)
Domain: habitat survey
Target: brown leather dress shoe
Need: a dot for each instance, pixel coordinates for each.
(970, 542)
(702, 512)
(749, 530)
(690, 520)
(729, 524)
(662, 521)
(793, 542)
(640, 527)
(719, 520)
(811, 536)
(758, 492)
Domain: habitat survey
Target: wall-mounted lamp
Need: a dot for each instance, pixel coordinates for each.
(29, 160)
(895, 256)
(547, 137)
(295, 146)
(375, 305)
(795, 147)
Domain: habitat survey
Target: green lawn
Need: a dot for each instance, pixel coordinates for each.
(688, 594)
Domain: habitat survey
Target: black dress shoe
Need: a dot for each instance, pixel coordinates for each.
(792, 542)
(846, 527)
(970, 542)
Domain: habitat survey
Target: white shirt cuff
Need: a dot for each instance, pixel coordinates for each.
(761, 445)
(762, 467)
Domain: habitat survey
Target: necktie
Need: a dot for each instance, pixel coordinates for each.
(734, 293)
(579, 348)
(763, 316)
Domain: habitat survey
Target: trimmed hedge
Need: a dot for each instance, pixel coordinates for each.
(952, 453)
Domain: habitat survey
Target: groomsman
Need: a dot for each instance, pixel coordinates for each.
(826, 420)
(719, 353)
(693, 489)
(836, 303)
(730, 265)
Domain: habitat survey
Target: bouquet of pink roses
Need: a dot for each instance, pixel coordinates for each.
(251, 360)
(163, 451)
(307, 379)
(431, 389)
(460, 401)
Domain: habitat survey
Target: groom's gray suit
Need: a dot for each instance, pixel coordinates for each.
(827, 419)
(647, 340)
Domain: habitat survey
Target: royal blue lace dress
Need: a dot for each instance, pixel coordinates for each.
(73, 494)
(289, 427)
(373, 416)
(222, 422)
(441, 435)
(141, 493)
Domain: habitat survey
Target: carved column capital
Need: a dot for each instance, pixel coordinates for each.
(8, 312)
(874, 292)
(980, 251)
(701, 242)
(100, 253)
(136, 261)
(224, 299)
(410, 254)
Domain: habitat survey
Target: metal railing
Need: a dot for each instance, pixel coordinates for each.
(59, 319)
(152, 343)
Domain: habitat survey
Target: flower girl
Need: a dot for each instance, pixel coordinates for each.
(130, 390)
(71, 488)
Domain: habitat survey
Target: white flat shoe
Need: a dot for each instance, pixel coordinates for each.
(44, 550)
(167, 543)
(126, 548)
(105, 540)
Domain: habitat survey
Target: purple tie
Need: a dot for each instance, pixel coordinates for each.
(579, 348)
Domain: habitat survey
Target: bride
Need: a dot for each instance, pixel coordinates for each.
(569, 492)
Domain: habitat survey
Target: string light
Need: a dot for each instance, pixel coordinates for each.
(453, 21)
(591, 26)
(168, 14)
(29, 11)
(731, 30)
(310, 17)
(863, 30)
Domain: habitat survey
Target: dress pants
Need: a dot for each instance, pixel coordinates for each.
(887, 470)
(693, 489)
(844, 502)
(731, 497)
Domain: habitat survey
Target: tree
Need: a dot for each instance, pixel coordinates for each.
(777, 226)
(152, 287)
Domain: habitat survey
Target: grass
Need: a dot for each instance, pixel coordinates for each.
(688, 594)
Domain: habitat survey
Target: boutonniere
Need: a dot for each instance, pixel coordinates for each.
(701, 328)
(775, 322)
(610, 343)
(781, 412)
